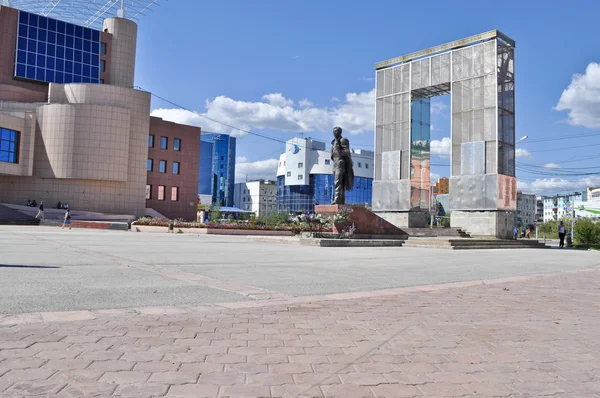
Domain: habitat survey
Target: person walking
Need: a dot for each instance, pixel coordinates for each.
(67, 219)
(516, 233)
(40, 214)
(561, 235)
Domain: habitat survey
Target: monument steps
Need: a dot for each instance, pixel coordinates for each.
(473, 243)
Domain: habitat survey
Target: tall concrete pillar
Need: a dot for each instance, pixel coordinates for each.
(123, 48)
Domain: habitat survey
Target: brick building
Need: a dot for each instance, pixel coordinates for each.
(173, 160)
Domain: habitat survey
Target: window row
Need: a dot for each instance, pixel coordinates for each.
(160, 194)
(58, 50)
(9, 146)
(78, 67)
(328, 162)
(164, 143)
(47, 75)
(41, 22)
(162, 166)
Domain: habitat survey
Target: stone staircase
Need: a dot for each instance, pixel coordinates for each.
(435, 232)
(10, 216)
(472, 243)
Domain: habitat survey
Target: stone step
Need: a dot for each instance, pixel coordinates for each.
(9, 216)
(463, 244)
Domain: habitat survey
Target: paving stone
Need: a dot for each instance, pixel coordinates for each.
(125, 377)
(245, 390)
(111, 366)
(174, 377)
(346, 391)
(31, 388)
(194, 391)
(141, 389)
(78, 390)
(395, 390)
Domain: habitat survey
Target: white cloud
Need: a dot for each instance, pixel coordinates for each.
(551, 166)
(441, 148)
(241, 159)
(262, 169)
(437, 107)
(521, 153)
(582, 98)
(304, 103)
(354, 114)
(367, 79)
(433, 177)
(277, 99)
(552, 186)
(335, 99)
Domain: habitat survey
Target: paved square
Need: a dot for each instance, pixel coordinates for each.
(141, 315)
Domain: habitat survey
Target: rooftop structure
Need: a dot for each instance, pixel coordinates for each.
(87, 13)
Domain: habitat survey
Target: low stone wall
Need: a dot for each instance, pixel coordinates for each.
(211, 231)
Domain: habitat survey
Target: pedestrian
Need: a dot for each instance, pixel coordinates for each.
(516, 233)
(40, 214)
(67, 219)
(528, 233)
(561, 235)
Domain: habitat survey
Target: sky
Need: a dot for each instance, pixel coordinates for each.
(287, 69)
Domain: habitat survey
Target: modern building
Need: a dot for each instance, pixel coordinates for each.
(442, 186)
(593, 194)
(216, 176)
(305, 176)
(557, 207)
(172, 167)
(72, 127)
(526, 210)
(259, 197)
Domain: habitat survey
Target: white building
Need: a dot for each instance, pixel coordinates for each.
(526, 209)
(259, 197)
(557, 207)
(305, 176)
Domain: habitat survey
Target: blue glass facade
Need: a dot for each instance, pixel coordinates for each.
(319, 191)
(54, 51)
(9, 146)
(216, 176)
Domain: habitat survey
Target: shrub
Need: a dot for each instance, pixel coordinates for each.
(446, 222)
(587, 231)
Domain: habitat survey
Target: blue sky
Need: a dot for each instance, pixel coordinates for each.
(285, 68)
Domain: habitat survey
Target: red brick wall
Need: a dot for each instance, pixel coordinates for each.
(186, 180)
(12, 89)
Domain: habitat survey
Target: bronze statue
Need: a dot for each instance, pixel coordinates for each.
(343, 174)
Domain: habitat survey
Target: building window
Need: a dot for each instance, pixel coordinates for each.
(161, 192)
(102, 65)
(164, 142)
(9, 146)
(175, 167)
(177, 144)
(162, 166)
(300, 177)
(221, 166)
(289, 173)
(366, 165)
(148, 191)
(150, 141)
(150, 165)
(101, 81)
(102, 48)
(327, 162)
(300, 165)
(222, 157)
(174, 194)
(359, 164)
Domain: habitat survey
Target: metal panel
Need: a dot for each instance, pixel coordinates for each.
(391, 195)
(379, 78)
(387, 82)
(390, 165)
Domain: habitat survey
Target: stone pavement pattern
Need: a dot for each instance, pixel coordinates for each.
(533, 337)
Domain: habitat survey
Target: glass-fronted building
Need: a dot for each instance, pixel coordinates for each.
(305, 177)
(54, 51)
(216, 176)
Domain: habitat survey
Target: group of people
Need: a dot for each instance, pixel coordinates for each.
(66, 218)
(526, 233)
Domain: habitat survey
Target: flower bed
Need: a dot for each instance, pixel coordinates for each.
(296, 227)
